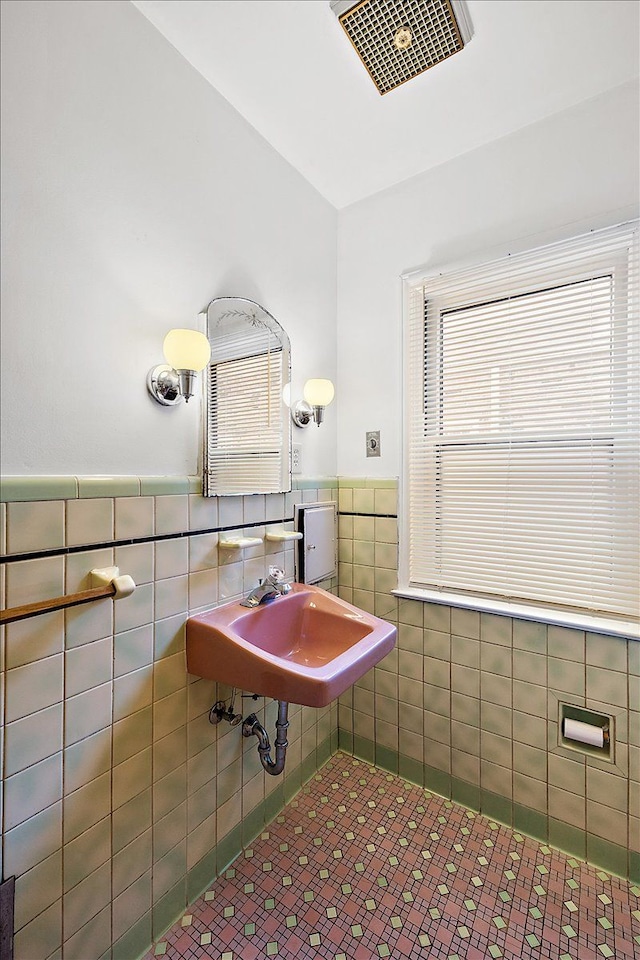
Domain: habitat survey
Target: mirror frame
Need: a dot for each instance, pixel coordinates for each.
(253, 315)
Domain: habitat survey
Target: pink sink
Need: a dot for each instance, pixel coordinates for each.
(306, 647)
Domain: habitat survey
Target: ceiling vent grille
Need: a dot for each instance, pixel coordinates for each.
(399, 39)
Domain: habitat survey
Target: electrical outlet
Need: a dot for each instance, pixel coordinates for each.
(373, 443)
(296, 458)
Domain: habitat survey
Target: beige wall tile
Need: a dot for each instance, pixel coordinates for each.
(132, 735)
(465, 709)
(131, 820)
(32, 790)
(607, 686)
(465, 623)
(33, 840)
(169, 831)
(34, 939)
(134, 517)
(32, 739)
(86, 760)
(604, 787)
(172, 513)
(28, 641)
(131, 776)
(131, 905)
(37, 889)
(86, 853)
(568, 807)
(529, 792)
(35, 525)
(93, 939)
(88, 666)
(566, 643)
(87, 713)
(86, 899)
(171, 558)
(170, 791)
(610, 824)
(89, 521)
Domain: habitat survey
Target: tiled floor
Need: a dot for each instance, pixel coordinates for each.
(364, 865)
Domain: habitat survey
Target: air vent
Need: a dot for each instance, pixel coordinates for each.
(398, 40)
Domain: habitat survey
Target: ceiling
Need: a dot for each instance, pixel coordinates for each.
(289, 69)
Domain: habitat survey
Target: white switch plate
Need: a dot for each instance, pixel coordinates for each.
(296, 458)
(373, 443)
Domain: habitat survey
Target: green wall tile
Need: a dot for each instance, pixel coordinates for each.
(345, 740)
(387, 759)
(273, 804)
(634, 866)
(568, 838)
(135, 942)
(315, 483)
(292, 785)
(609, 856)
(381, 483)
(323, 752)
(531, 822)
(169, 907)
(252, 824)
(363, 748)
(92, 487)
(201, 875)
(229, 848)
(163, 486)
(467, 794)
(437, 781)
(309, 767)
(411, 770)
(497, 807)
(195, 484)
(20, 489)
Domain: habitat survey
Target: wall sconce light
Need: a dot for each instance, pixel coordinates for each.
(187, 352)
(318, 394)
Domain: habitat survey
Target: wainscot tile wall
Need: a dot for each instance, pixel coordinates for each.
(467, 703)
(120, 802)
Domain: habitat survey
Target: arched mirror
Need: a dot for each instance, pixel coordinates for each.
(248, 432)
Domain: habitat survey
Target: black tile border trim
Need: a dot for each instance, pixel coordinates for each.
(152, 538)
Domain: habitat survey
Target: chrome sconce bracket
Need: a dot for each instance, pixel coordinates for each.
(302, 413)
(163, 383)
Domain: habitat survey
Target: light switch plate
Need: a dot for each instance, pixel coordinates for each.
(373, 443)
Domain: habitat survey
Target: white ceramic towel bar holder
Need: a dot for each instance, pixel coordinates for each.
(105, 582)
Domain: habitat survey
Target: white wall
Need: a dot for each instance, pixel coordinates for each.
(134, 194)
(575, 171)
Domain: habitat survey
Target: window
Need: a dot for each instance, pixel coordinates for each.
(522, 429)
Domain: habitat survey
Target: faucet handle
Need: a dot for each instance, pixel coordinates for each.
(276, 574)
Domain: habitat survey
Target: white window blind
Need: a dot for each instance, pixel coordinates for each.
(522, 427)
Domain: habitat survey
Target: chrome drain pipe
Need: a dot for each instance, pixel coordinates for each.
(253, 728)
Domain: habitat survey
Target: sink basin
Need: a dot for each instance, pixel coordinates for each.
(306, 647)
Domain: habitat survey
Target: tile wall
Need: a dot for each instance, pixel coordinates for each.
(467, 704)
(120, 801)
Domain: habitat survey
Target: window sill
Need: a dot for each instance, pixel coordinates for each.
(577, 620)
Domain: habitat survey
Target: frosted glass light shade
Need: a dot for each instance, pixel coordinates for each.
(319, 393)
(186, 350)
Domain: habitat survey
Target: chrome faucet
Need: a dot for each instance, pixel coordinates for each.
(268, 589)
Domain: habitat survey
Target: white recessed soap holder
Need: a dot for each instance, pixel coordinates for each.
(239, 543)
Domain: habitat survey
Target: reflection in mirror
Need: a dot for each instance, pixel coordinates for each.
(248, 435)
